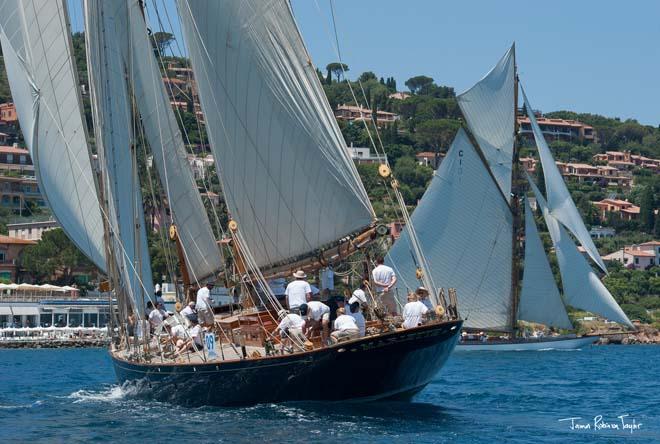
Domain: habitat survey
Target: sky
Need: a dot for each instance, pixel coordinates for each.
(592, 56)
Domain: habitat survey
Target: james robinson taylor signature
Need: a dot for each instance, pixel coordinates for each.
(622, 423)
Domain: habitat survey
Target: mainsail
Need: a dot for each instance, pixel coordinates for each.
(464, 226)
(539, 298)
(113, 122)
(582, 287)
(169, 154)
(39, 60)
(560, 204)
(286, 173)
(489, 108)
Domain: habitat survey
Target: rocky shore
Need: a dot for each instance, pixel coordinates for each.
(55, 343)
(643, 335)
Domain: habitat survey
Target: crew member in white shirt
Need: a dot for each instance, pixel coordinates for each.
(355, 312)
(385, 279)
(414, 312)
(318, 316)
(157, 316)
(187, 312)
(345, 327)
(298, 292)
(291, 329)
(204, 305)
(359, 295)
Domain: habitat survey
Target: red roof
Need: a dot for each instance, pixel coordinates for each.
(14, 240)
(13, 150)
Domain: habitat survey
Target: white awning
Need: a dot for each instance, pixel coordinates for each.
(28, 311)
(5, 311)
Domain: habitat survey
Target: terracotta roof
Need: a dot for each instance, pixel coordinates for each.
(639, 253)
(633, 210)
(651, 243)
(14, 240)
(13, 150)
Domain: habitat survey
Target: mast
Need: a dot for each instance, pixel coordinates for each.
(515, 205)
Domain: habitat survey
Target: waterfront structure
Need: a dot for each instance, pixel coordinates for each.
(558, 129)
(10, 252)
(623, 209)
(364, 155)
(26, 305)
(31, 230)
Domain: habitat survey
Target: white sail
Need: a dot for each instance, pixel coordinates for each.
(539, 298)
(560, 203)
(169, 154)
(582, 287)
(113, 122)
(42, 77)
(285, 170)
(464, 226)
(489, 108)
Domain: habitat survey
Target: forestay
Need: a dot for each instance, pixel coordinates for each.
(113, 122)
(169, 154)
(582, 287)
(539, 298)
(464, 226)
(560, 203)
(285, 170)
(42, 77)
(489, 109)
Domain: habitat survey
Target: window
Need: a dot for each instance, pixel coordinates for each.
(637, 261)
(2, 256)
(22, 159)
(10, 158)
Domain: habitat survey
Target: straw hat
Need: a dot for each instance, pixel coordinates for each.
(178, 306)
(422, 291)
(299, 274)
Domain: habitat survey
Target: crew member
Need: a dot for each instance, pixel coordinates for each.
(345, 327)
(187, 312)
(291, 329)
(298, 292)
(385, 279)
(318, 315)
(423, 297)
(414, 312)
(355, 312)
(204, 305)
(157, 316)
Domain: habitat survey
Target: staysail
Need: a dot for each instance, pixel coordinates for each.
(489, 108)
(113, 123)
(560, 203)
(464, 226)
(42, 77)
(582, 287)
(286, 173)
(539, 298)
(163, 134)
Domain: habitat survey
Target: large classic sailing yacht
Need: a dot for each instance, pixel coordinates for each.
(293, 193)
(469, 220)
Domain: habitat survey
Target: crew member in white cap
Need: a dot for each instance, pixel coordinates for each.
(298, 292)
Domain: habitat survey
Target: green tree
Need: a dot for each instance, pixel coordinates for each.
(337, 69)
(366, 76)
(161, 41)
(647, 210)
(54, 254)
(418, 83)
(436, 134)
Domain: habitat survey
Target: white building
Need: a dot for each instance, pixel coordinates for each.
(31, 230)
(638, 257)
(602, 232)
(363, 155)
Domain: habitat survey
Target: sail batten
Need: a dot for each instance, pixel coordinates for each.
(265, 108)
(464, 228)
(540, 300)
(42, 78)
(582, 287)
(560, 203)
(489, 110)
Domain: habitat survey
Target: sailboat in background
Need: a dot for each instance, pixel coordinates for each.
(293, 193)
(469, 223)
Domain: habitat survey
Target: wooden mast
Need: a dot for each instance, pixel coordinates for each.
(185, 276)
(515, 205)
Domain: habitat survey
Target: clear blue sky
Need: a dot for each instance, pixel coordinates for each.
(588, 56)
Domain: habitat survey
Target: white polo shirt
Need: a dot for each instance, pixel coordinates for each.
(412, 314)
(203, 299)
(317, 309)
(345, 322)
(382, 273)
(291, 320)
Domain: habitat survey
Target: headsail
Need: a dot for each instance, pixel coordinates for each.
(106, 51)
(44, 85)
(539, 299)
(162, 132)
(489, 108)
(582, 287)
(464, 226)
(560, 203)
(285, 170)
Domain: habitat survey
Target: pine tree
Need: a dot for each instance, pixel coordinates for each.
(647, 214)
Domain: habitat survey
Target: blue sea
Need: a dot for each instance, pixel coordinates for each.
(479, 397)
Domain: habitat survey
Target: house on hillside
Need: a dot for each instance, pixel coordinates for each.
(639, 256)
(558, 129)
(10, 252)
(625, 210)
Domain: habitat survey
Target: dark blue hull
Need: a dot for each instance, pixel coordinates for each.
(393, 365)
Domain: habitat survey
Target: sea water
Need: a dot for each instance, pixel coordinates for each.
(607, 394)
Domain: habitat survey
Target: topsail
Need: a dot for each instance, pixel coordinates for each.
(42, 77)
(286, 173)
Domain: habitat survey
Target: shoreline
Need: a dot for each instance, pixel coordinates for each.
(55, 343)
